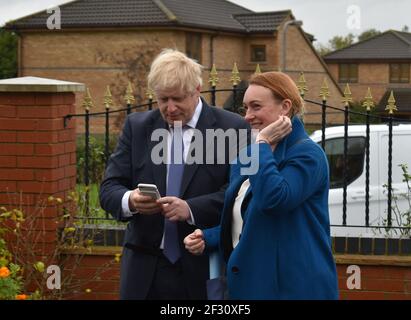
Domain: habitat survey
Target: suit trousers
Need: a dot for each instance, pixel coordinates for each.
(168, 282)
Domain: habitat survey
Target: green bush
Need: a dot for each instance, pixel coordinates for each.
(97, 161)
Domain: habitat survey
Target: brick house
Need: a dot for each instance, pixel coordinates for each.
(381, 63)
(107, 42)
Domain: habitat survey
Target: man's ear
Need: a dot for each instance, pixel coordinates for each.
(286, 107)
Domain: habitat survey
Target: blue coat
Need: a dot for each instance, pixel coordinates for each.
(285, 246)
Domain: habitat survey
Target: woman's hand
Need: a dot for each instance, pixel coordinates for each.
(195, 243)
(275, 132)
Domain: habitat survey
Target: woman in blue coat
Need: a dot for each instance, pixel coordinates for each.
(274, 234)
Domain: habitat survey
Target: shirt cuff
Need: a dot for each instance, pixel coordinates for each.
(191, 220)
(124, 205)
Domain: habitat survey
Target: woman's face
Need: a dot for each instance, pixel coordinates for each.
(262, 108)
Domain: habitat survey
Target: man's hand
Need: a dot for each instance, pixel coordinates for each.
(195, 243)
(275, 131)
(175, 209)
(143, 204)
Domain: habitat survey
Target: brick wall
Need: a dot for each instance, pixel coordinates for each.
(382, 277)
(37, 160)
(95, 273)
(37, 153)
(373, 75)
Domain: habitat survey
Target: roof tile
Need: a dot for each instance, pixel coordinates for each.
(388, 45)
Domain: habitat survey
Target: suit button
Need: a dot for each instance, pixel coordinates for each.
(235, 270)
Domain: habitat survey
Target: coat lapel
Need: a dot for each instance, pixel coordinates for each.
(205, 121)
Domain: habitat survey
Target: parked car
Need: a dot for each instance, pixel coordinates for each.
(334, 149)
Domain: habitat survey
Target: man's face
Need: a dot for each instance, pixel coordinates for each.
(176, 105)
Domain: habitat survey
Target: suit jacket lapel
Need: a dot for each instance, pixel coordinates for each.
(160, 170)
(206, 121)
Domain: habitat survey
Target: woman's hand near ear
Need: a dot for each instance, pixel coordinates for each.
(275, 132)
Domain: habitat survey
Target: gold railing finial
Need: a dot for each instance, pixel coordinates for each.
(213, 79)
(150, 94)
(257, 69)
(368, 103)
(324, 91)
(347, 96)
(302, 84)
(108, 98)
(88, 101)
(391, 107)
(235, 76)
(129, 97)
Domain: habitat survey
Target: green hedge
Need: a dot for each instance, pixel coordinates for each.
(97, 161)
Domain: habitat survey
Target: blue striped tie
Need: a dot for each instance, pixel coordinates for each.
(175, 175)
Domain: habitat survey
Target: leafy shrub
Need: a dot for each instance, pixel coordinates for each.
(97, 159)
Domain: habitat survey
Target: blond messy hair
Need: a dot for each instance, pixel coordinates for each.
(172, 69)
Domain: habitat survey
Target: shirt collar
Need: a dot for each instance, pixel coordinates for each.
(193, 121)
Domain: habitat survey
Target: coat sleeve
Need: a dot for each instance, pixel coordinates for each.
(281, 190)
(117, 177)
(212, 238)
(206, 209)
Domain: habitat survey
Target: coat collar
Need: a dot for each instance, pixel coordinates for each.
(298, 133)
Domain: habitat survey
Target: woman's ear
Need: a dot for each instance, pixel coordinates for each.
(286, 107)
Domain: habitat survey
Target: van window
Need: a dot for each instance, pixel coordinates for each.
(334, 149)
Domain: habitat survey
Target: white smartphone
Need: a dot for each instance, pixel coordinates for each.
(149, 190)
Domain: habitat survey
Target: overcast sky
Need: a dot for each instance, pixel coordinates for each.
(322, 18)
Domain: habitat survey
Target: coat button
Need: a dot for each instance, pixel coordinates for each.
(235, 270)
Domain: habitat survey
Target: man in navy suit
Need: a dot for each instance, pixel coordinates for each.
(147, 272)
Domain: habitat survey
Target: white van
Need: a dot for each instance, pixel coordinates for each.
(334, 148)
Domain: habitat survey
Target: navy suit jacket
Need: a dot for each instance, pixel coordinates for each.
(285, 247)
(203, 187)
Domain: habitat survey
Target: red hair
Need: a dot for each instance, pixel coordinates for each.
(281, 86)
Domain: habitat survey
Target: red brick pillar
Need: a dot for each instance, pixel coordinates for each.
(37, 153)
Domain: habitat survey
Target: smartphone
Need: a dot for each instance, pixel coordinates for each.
(149, 190)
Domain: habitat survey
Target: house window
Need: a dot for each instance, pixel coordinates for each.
(193, 45)
(348, 73)
(399, 73)
(258, 53)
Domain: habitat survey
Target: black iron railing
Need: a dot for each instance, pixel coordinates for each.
(236, 106)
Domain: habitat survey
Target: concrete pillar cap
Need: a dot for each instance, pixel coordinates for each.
(35, 84)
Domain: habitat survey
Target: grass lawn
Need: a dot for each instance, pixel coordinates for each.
(96, 214)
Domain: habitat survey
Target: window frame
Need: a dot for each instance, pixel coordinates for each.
(349, 78)
(398, 78)
(194, 39)
(252, 55)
